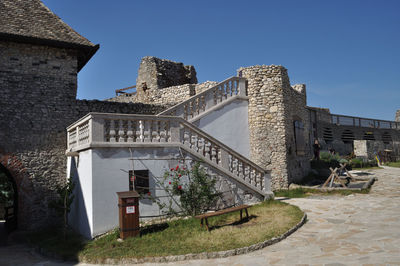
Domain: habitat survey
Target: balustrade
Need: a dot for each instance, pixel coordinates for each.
(344, 120)
(209, 98)
(145, 130)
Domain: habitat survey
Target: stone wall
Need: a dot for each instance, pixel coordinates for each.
(272, 106)
(295, 100)
(397, 116)
(370, 148)
(38, 86)
(159, 73)
(166, 96)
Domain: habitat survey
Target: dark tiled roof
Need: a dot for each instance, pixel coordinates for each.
(32, 22)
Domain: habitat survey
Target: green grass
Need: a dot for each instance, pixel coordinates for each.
(305, 192)
(393, 164)
(267, 220)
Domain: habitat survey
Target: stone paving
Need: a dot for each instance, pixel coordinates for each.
(360, 229)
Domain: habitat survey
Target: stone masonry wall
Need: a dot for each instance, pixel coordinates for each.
(270, 120)
(295, 100)
(397, 116)
(159, 73)
(166, 96)
(38, 86)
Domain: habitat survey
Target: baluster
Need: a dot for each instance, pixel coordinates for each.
(235, 87)
(121, 132)
(230, 162)
(213, 154)
(163, 131)
(186, 138)
(155, 132)
(185, 111)
(215, 96)
(140, 132)
(129, 132)
(201, 146)
(247, 174)
(240, 170)
(112, 131)
(235, 166)
(203, 103)
(261, 181)
(207, 149)
(229, 89)
(253, 177)
(219, 159)
(193, 142)
(147, 130)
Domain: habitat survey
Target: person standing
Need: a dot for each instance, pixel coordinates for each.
(316, 147)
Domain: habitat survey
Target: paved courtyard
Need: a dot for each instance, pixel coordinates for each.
(352, 230)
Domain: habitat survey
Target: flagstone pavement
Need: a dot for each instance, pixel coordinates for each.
(359, 229)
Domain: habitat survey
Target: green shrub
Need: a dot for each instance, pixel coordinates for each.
(194, 187)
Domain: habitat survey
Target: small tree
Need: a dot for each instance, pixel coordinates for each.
(62, 205)
(194, 187)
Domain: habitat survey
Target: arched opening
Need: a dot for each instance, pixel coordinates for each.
(8, 203)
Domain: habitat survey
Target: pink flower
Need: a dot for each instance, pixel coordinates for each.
(172, 169)
(149, 193)
(179, 187)
(170, 182)
(177, 167)
(179, 175)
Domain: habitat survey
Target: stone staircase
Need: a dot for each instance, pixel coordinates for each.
(174, 128)
(206, 102)
(213, 98)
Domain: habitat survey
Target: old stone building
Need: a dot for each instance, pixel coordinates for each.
(40, 59)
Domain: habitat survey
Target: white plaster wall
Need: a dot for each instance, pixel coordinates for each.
(230, 125)
(110, 175)
(81, 214)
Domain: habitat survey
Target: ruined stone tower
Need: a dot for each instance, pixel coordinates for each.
(277, 114)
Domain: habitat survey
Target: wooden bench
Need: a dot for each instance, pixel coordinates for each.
(205, 216)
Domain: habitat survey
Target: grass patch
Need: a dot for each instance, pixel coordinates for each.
(305, 192)
(393, 164)
(267, 220)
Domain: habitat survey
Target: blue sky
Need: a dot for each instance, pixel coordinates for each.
(346, 52)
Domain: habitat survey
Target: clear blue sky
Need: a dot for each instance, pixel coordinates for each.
(346, 52)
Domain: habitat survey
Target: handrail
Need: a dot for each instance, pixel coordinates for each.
(200, 103)
(345, 120)
(124, 89)
(127, 130)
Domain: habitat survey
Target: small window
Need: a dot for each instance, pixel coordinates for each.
(139, 179)
(299, 137)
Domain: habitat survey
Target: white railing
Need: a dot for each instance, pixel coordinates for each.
(121, 130)
(344, 120)
(200, 103)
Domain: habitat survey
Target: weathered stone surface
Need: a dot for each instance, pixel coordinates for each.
(273, 107)
(397, 116)
(160, 73)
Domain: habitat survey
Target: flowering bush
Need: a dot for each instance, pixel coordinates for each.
(194, 187)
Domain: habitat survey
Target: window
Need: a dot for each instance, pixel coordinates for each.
(299, 137)
(139, 178)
